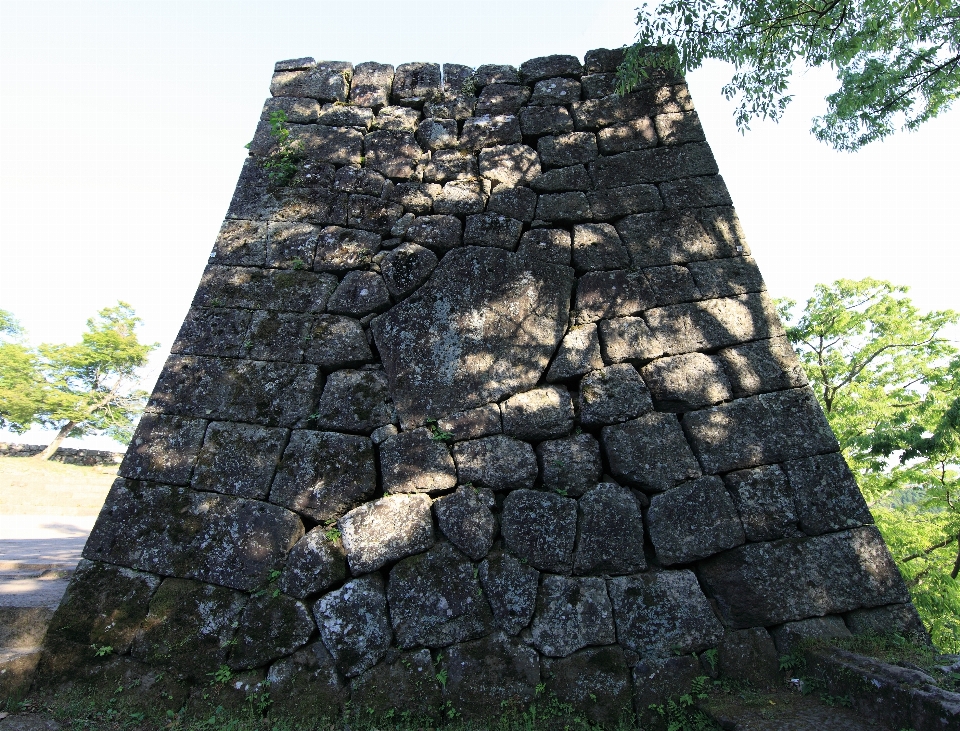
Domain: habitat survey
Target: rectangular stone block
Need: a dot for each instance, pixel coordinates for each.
(549, 244)
(610, 110)
(326, 81)
(212, 331)
(603, 295)
(727, 277)
(343, 115)
(762, 366)
(472, 424)
(272, 289)
(164, 448)
(414, 83)
(826, 494)
(320, 206)
(596, 86)
(276, 336)
(536, 121)
(502, 99)
(394, 154)
(487, 131)
(243, 243)
(605, 205)
(628, 339)
(238, 459)
(636, 134)
(654, 165)
(672, 284)
(679, 237)
(373, 214)
(677, 128)
(371, 84)
(291, 245)
(759, 430)
(251, 198)
(272, 394)
(759, 584)
(397, 119)
(707, 190)
(334, 145)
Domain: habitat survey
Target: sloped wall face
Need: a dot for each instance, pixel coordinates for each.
(491, 396)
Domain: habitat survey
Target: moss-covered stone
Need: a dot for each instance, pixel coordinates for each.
(596, 681)
(406, 683)
(306, 685)
(270, 627)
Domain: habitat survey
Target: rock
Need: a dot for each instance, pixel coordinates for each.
(610, 534)
(672, 284)
(250, 288)
(678, 128)
(407, 685)
(709, 190)
(306, 684)
(354, 624)
(243, 243)
(222, 539)
(497, 462)
(789, 637)
(327, 81)
(212, 331)
(693, 521)
(103, 605)
(749, 654)
(331, 145)
(298, 110)
(502, 99)
(489, 131)
(599, 85)
(548, 244)
(826, 494)
(414, 461)
(342, 249)
(397, 119)
(605, 205)
(440, 233)
(655, 682)
(755, 584)
(900, 618)
(513, 202)
(559, 180)
(458, 107)
(361, 181)
(465, 518)
(432, 361)
(540, 527)
(511, 589)
(545, 67)
(764, 501)
(579, 353)
(472, 424)
(380, 435)
(596, 246)
(571, 614)
(662, 613)
(594, 680)
(495, 74)
(414, 83)
(164, 448)
(492, 229)
(571, 148)
(447, 165)
(324, 474)
(650, 452)
(555, 91)
(435, 599)
(604, 295)
(395, 154)
(759, 430)
(570, 466)
(385, 530)
(727, 277)
(270, 627)
(341, 115)
(317, 205)
(371, 84)
(544, 413)
(355, 401)
(653, 165)
(628, 338)
(509, 165)
(28, 722)
(437, 134)
(455, 75)
(238, 459)
(461, 198)
(761, 366)
(636, 134)
(613, 394)
(189, 627)
(563, 207)
(372, 214)
(495, 672)
(336, 342)
(315, 563)
(414, 197)
(686, 382)
(714, 323)
(276, 336)
(601, 60)
(679, 236)
(536, 121)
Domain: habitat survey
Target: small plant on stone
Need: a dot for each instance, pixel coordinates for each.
(711, 656)
(442, 678)
(222, 674)
(469, 85)
(281, 164)
(436, 433)
(792, 662)
(298, 263)
(102, 650)
(332, 534)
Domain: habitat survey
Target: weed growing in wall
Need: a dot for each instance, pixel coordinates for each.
(281, 164)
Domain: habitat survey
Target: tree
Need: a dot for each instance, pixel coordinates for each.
(897, 61)
(889, 384)
(77, 389)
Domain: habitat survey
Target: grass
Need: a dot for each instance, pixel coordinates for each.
(32, 486)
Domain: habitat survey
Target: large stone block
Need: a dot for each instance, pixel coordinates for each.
(653, 165)
(555, 91)
(341, 249)
(635, 134)
(435, 599)
(216, 331)
(602, 60)
(361, 181)
(221, 539)
(386, 530)
(455, 75)
(492, 229)
(242, 243)
(761, 366)
(709, 190)
(269, 628)
(540, 527)
(414, 461)
(189, 627)
(514, 202)
(406, 685)
(342, 115)
(488, 131)
(371, 84)
(325, 81)
(610, 532)
(395, 154)
(595, 86)
(354, 624)
(596, 246)
(317, 205)
(272, 394)
(315, 563)
(437, 134)
(570, 466)
(497, 462)
(439, 233)
(306, 685)
(650, 452)
(655, 682)
(291, 245)
(663, 613)
(465, 519)
(415, 198)
(571, 613)
(677, 128)
(759, 430)
(543, 413)
(437, 365)
(672, 284)
(509, 165)
(628, 339)
(447, 165)
(692, 521)
(826, 494)
(606, 205)
(323, 474)
(604, 295)
(276, 336)
(536, 121)
(716, 323)
(298, 110)
(332, 145)
(900, 618)
(563, 207)
(459, 107)
(238, 459)
(559, 180)
(572, 148)
(473, 423)
(372, 214)
(686, 382)
(579, 353)
(355, 401)
(462, 197)
(546, 67)
(680, 236)
(613, 394)
(253, 289)
(396, 119)
(510, 587)
(164, 448)
(491, 73)
(415, 83)
(764, 502)
(727, 277)
(790, 636)
(596, 680)
(502, 99)
(493, 673)
(547, 244)
(334, 341)
(757, 584)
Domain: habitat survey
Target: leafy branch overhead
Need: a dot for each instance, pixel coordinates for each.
(897, 61)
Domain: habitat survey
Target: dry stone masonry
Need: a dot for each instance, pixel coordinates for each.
(491, 395)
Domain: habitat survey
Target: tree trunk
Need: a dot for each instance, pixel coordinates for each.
(57, 441)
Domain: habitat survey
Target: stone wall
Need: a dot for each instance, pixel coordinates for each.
(491, 395)
(67, 455)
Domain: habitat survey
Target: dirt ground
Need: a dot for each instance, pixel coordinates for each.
(29, 486)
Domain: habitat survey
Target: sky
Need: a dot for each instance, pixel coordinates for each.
(123, 125)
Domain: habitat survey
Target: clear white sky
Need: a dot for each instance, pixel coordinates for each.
(122, 126)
